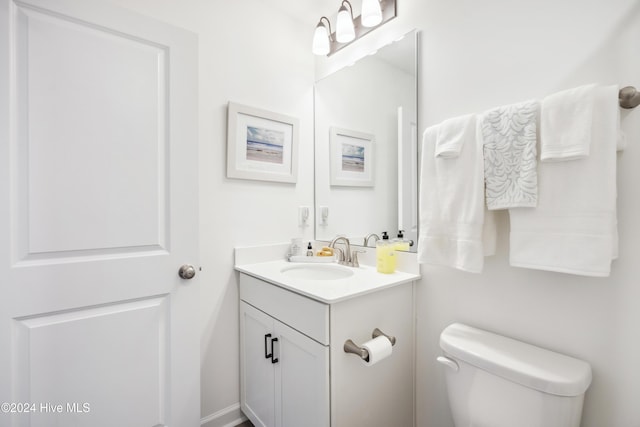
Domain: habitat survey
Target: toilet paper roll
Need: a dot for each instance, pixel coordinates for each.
(379, 348)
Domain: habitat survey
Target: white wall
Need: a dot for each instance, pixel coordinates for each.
(475, 55)
(253, 55)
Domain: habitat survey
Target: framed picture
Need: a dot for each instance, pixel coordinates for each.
(261, 145)
(351, 158)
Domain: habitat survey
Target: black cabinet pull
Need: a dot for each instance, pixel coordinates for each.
(273, 359)
(266, 353)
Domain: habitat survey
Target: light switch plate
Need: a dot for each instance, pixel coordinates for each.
(303, 216)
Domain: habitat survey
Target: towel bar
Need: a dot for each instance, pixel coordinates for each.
(629, 97)
(351, 347)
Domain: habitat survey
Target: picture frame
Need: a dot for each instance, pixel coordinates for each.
(261, 145)
(352, 158)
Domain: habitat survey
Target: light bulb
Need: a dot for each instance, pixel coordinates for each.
(371, 13)
(344, 26)
(320, 40)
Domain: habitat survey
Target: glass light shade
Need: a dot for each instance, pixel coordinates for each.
(320, 40)
(371, 13)
(344, 26)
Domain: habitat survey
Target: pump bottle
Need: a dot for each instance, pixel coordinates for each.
(400, 244)
(385, 255)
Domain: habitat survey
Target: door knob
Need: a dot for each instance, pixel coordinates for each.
(187, 271)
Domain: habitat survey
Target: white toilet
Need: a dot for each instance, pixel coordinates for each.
(495, 381)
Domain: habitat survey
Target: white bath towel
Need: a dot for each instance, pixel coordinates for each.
(509, 143)
(489, 232)
(574, 228)
(622, 138)
(451, 135)
(565, 124)
(452, 203)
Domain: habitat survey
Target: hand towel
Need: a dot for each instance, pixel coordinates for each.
(574, 228)
(452, 203)
(509, 145)
(565, 124)
(451, 135)
(620, 146)
(622, 138)
(489, 233)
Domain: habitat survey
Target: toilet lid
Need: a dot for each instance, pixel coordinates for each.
(522, 363)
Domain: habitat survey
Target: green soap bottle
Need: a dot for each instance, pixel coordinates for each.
(385, 255)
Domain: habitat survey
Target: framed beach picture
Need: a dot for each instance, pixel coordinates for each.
(261, 145)
(351, 158)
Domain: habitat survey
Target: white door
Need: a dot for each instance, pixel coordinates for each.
(257, 372)
(302, 379)
(98, 210)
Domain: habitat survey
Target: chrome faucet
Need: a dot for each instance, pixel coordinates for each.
(368, 236)
(344, 256)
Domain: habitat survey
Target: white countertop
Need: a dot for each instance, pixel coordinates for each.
(365, 280)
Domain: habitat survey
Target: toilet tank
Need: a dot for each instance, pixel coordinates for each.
(495, 381)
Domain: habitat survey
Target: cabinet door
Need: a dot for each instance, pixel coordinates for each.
(256, 371)
(301, 378)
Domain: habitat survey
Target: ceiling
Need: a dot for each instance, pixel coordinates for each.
(306, 11)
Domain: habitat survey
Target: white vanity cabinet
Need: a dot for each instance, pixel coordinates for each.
(294, 371)
(284, 373)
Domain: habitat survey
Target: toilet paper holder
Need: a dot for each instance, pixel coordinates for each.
(351, 347)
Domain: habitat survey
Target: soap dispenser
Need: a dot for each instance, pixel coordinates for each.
(309, 249)
(385, 255)
(400, 244)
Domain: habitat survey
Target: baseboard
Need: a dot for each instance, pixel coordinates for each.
(228, 417)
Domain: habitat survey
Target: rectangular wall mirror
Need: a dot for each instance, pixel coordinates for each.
(366, 146)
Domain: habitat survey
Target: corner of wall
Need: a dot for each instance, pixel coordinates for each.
(228, 417)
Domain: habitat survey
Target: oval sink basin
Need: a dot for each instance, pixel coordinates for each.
(317, 272)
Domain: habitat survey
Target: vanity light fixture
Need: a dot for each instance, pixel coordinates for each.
(348, 29)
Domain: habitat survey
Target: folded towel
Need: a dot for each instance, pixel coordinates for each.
(452, 203)
(509, 143)
(451, 134)
(565, 124)
(574, 228)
